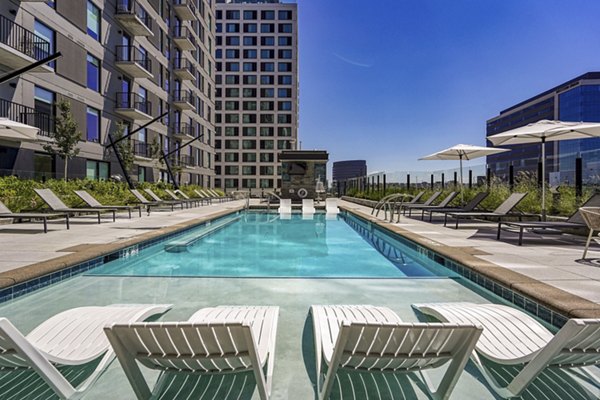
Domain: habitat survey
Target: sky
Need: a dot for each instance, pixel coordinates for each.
(390, 81)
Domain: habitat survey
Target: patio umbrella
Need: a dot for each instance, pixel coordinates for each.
(463, 152)
(16, 131)
(546, 131)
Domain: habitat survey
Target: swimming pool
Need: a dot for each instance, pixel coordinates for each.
(261, 244)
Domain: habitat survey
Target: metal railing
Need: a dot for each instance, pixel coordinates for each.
(182, 32)
(185, 129)
(133, 54)
(183, 96)
(182, 63)
(187, 3)
(131, 7)
(141, 149)
(130, 100)
(188, 161)
(23, 40)
(27, 115)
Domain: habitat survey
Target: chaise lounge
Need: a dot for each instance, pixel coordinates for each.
(56, 204)
(6, 213)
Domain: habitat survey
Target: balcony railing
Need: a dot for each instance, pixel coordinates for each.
(183, 64)
(131, 7)
(188, 161)
(23, 40)
(129, 100)
(186, 129)
(183, 96)
(182, 32)
(141, 149)
(185, 9)
(133, 54)
(27, 115)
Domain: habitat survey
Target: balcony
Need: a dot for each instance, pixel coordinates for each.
(188, 161)
(141, 149)
(29, 116)
(134, 18)
(133, 62)
(184, 132)
(19, 47)
(133, 106)
(184, 69)
(184, 100)
(184, 9)
(183, 38)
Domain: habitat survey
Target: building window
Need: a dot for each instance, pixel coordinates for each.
(49, 35)
(249, 14)
(267, 41)
(267, 28)
(267, 14)
(93, 20)
(285, 28)
(93, 73)
(97, 170)
(285, 40)
(232, 40)
(285, 14)
(141, 174)
(285, 79)
(93, 125)
(44, 100)
(249, 40)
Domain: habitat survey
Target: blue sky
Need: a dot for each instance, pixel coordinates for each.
(392, 80)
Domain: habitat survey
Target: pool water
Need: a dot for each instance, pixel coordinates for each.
(258, 244)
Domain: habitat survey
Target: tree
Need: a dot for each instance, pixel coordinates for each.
(124, 147)
(65, 135)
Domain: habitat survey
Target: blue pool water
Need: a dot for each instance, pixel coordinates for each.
(257, 244)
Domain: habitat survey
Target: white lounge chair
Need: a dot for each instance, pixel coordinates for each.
(512, 338)
(214, 340)
(331, 206)
(374, 339)
(308, 206)
(285, 206)
(71, 338)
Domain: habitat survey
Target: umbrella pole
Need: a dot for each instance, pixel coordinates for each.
(543, 179)
(462, 195)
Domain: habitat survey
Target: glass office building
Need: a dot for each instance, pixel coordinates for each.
(575, 100)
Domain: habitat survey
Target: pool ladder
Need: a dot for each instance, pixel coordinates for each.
(269, 195)
(390, 203)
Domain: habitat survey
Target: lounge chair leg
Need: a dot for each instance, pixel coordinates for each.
(129, 210)
(457, 219)
(520, 236)
(423, 215)
(115, 215)
(140, 211)
(99, 217)
(499, 229)
(587, 244)
(67, 219)
(445, 219)
(45, 225)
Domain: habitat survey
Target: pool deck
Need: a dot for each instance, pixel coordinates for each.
(547, 268)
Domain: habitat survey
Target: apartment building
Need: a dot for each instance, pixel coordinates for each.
(123, 61)
(257, 91)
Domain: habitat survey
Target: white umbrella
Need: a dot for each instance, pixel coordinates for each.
(546, 131)
(463, 152)
(16, 131)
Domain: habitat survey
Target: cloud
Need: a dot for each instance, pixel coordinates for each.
(351, 62)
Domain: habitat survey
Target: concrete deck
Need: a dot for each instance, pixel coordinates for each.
(543, 262)
(294, 376)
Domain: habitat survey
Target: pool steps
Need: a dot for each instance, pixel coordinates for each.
(181, 244)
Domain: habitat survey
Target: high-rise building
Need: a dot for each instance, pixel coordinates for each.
(343, 170)
(575, 100)
(123, 61)
(257, 91)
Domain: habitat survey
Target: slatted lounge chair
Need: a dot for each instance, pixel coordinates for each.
(374, 339)
(285, 206)
(198, 200)
(308, 206)
(6, 213)
(71, 338)
(219, 340)
(331, 206)
(217, 195)
(56, 204)
(188, 202)
(511, 337)
(92, 202)
(503, 210)
(575, 221)
(427, 202)
(591, 216)
(204, 196)
(155, 197)
(151, 204)
(469, 207)
(444, 203)
(211, 196)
